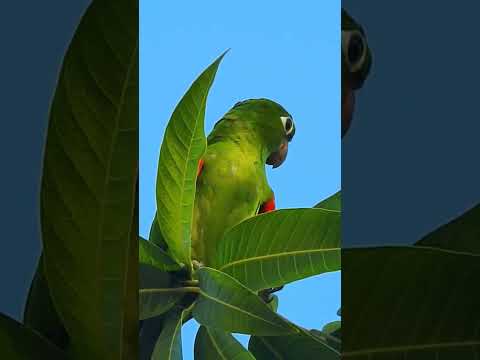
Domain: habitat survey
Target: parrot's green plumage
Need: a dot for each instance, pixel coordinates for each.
(232, 185)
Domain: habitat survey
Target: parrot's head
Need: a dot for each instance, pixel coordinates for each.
(260, 120)
(356, 64)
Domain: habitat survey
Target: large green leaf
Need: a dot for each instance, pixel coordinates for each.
(153, 255)
(301, 346)
(155, 235)
(154, 297)
(89, 192)
(333, 202)
(225, 304)
(169, 344)
(18, 342)
(282, 246)
(40, 313)
(183, 145)
(461, 234)
(410, 303)
(212, 344)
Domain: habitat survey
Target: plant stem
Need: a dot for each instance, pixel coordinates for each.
(190, 282)
(186, 289)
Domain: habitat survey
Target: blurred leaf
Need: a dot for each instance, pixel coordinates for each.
(211, 344)
(151, 254)
(183, 145)
(460, 234)
(89, 192)
(169, 344)
(151, 303)
(300, 346)
(282, 246)
(339, 312)
(40, 313)
(333, 202)
(409, 302)
(149, 333)
(333, 339)
(17, 342)
(332, 327)
(227, 305)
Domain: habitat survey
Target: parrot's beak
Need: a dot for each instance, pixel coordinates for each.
(278, 157)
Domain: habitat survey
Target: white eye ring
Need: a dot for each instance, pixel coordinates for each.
(287, 124)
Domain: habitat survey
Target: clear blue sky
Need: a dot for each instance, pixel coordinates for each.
(280, 50)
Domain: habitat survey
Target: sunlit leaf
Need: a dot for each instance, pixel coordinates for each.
(211, 344)
(332, 327)
(89, 185)
(282, 246)
(225, 304)
(183, 145)
(155, 235)
(333, 202)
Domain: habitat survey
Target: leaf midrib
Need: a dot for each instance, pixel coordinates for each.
(273, 256)
(240, 310)
(216, 345)
(105, 190)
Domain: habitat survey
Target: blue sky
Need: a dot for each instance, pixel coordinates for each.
(279, 50)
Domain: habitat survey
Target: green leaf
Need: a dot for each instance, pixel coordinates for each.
(155, 235)
(279, 247)
(226, 304)
(18, 342)
(333, 339)
(183, 145)
(333, 202)
(410, 302)
(153, 302)
(153, 255)
(460, 234)
(331, 327)
(211, 344)
(301, 346)
(89, 185)
(169, 344)
(40, 313)
(273, 304)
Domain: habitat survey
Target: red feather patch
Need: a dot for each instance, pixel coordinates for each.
(201, 162)
(267, 206)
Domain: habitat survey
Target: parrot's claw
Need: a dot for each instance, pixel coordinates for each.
(197, 264)
(266, 294)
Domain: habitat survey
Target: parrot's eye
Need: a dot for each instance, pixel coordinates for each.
(354, 49)
(288, 126)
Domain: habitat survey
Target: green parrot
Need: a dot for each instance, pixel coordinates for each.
(231, 183)
(356, 63)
